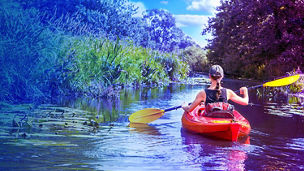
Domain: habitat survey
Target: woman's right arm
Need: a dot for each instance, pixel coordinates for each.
(238, 99)
(201, 96)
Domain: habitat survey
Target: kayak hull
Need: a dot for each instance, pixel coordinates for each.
(222, 128)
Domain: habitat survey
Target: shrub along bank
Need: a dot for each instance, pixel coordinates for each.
(39, 62)
(93, 64)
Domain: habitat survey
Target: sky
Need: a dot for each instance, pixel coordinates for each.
(191, 15)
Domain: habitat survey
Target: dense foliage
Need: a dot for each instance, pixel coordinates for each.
(107, 18)
(52, 48)
(163, 34)
(28, 53)
(95, 64)
(258, 38)
(196, 58)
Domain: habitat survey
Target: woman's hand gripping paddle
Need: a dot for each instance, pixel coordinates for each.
(151, 114)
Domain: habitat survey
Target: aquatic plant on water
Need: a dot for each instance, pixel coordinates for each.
(291, 93)
(298, 86)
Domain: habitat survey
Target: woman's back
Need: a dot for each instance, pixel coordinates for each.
(211, 96)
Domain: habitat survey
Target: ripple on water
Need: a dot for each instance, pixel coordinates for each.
(285, 110)
(276, 138)
(296, 144)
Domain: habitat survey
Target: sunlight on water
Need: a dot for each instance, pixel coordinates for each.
(296, 144)
(285, 110)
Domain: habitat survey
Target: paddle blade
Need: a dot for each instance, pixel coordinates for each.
(282, 82)
(146, 115)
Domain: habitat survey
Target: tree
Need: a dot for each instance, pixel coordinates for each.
(109, 18)
(163, 34)
(196, 58)
(256, 36)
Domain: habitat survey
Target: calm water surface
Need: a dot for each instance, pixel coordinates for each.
(65, 136)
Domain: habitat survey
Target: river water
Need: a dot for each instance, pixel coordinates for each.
(86, 134)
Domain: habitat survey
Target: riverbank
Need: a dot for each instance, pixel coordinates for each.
(44, 56)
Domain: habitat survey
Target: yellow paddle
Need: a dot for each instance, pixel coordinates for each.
(150, 114)
(146, 115)
(280, 82)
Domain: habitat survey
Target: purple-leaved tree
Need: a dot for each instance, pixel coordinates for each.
(258, 38)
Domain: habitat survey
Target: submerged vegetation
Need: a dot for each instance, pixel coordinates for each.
(293, 93)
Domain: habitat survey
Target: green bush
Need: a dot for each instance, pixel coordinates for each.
(196, 59)
(142, 65)
(92, 64)
(96, 64)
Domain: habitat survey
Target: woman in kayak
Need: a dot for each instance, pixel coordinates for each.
(216, 93)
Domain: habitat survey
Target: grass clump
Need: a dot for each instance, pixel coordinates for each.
(97, 64)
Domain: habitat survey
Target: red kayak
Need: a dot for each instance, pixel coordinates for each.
(223, 128)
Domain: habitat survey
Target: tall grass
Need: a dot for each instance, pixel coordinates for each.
(28, 51)
(99, 63)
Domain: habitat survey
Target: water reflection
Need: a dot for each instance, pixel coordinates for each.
(215, 155)
(66, 129)
(279, 153)
(144, 129)
(129, 101)
(275, 128)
